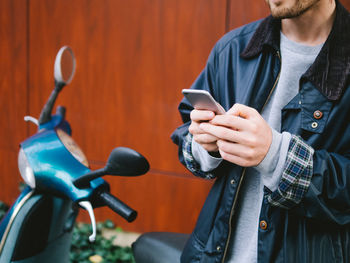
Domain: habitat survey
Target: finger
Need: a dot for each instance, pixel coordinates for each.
(205, 138)
(235, 159)
(194, 128)
(222, 133)
(229, 134)
(242, 111)
(239, 150)
(211, 147)
(231, 121)
(201, 115)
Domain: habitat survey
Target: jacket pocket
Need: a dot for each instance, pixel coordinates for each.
(193, 250)
(315, 109)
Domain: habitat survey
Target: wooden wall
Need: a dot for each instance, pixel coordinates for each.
(133, 59)
(13, 92)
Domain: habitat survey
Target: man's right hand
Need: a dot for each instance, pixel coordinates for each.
(206, 140)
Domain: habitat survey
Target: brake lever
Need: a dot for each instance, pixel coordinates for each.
(88, 207)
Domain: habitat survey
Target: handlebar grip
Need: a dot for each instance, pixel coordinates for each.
(118, 206)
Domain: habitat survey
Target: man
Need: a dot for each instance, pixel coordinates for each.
(281, 153)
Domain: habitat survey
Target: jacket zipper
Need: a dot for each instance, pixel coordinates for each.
(244, 170)
(231, 215)
(275, 84)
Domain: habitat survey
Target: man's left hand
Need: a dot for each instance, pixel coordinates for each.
(244, 136)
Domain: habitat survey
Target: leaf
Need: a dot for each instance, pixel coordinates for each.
(109, 224)
(82, 249)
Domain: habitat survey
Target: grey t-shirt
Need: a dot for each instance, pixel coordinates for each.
(296, 59)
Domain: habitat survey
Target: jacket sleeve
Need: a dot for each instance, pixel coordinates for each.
(315, 183)
(181, 136)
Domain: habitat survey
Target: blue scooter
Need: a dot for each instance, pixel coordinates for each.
(38, 227)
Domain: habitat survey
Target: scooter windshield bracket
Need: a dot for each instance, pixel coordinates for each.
(88, 207)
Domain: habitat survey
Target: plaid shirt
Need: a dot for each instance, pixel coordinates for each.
(191, 163)
(296, 176)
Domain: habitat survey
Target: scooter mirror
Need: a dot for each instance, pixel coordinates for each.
(126, 162)
(122, 161)
(64, 66)
(64, 69)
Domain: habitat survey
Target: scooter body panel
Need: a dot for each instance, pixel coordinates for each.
(40, 231)
(6, 219)
(56, 121)
(54, 166)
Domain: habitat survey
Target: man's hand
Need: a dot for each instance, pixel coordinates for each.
(243, 136)
(205, 139)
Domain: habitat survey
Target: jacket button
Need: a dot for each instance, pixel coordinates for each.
(232, 181)
(218, 248)
(318, 114)
(314, 125)
(263, 224)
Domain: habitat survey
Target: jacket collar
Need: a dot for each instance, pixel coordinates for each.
(331, 69)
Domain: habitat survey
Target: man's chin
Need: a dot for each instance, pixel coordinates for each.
(286, 13)
(282, 11)
(283, 14)
(278, 10)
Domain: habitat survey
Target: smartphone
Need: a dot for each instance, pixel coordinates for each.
(202, 100)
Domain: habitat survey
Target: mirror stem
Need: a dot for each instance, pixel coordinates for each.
(84, 181)
(45, 114)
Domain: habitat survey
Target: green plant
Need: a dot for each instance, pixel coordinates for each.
(3, 209)
(102, 250)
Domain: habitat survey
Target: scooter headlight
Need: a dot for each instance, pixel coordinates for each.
(72, 147)
(25, 169)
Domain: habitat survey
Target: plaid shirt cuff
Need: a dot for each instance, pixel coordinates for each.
(296, 176)
(190, 162)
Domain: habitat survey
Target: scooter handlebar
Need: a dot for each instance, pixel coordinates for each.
(118, 206)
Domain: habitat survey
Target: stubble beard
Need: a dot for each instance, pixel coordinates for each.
(299, 8)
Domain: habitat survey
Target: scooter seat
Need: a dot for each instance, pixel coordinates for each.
(159, 247)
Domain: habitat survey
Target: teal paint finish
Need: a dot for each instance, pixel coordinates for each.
(54, 166)
(4, 222)
(56, 120)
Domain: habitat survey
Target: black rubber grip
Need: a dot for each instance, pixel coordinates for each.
(118, 206)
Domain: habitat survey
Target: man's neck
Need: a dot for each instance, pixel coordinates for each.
(313, 27)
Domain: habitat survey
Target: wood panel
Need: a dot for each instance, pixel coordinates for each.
(346, 3)
(133, 59)
(13, 92)
(10, 177)
(163, 202)
(243, 12)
